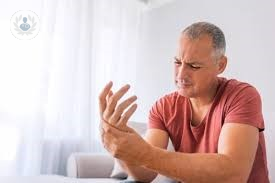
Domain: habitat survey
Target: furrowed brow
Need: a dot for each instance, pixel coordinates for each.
(191, 62)
(194, 62)
(177, 59)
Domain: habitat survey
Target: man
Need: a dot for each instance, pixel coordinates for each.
(216, 125)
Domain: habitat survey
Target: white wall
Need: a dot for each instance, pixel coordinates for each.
(249, 28)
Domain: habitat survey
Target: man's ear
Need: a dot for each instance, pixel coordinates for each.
(222, 64)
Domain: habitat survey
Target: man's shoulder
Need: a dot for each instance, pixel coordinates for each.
(232, 90)
(171, 97)
(234, 86)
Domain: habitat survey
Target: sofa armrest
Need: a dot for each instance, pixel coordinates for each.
(89, 165)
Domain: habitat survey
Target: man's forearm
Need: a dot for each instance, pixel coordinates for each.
(138, 173)
(197, 167)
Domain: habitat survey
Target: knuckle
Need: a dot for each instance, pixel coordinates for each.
(120, 108)
(105, 117)
(101, 98)
(107, 109)
(112, 100)
(113, 118)
(111, 121)
(108, 130)
(123, 118)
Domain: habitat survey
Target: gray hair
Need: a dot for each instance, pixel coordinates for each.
(198, 29)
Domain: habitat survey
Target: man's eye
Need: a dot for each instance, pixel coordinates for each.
(194, 67)
(177, 62)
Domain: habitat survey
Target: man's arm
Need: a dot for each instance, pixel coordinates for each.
(156, 138)
(233, 162)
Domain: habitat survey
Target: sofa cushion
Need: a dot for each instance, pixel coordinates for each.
(88, 165)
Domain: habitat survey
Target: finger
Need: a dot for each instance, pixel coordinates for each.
(102, 97)
(120, 109)
(109, 95)
(113, 101)
(126, 116)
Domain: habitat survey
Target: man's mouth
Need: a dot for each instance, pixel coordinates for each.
(183, 84)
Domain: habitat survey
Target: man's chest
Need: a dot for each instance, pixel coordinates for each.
(202, 137)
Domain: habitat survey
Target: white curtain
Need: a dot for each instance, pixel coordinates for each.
(49, 89)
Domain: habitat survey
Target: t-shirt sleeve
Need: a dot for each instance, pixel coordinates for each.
(246, 108)
(156, 114)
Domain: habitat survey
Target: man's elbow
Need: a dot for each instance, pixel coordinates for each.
(233, 171)
(140, 174)
(238, 175)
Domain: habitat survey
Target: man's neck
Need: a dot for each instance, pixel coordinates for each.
(207, 99)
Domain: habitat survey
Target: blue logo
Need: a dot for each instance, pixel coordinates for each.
(25, 25)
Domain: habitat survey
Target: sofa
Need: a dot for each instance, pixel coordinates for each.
(103, 167)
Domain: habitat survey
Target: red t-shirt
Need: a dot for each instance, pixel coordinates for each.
(234, 102)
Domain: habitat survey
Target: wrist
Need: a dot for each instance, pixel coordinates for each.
(149, 156)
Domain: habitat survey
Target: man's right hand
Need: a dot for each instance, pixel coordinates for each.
(112, 113)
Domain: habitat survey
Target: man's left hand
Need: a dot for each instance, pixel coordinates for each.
(127, 146)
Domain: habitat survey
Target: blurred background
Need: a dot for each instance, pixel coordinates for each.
(49, 85)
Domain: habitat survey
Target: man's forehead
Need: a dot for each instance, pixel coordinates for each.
(195, 47)
(197, 37)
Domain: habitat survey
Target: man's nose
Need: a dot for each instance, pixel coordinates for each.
(182, 71)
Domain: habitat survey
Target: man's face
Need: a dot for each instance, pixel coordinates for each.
(195, 67)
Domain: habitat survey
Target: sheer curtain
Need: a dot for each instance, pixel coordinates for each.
(49, 104)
